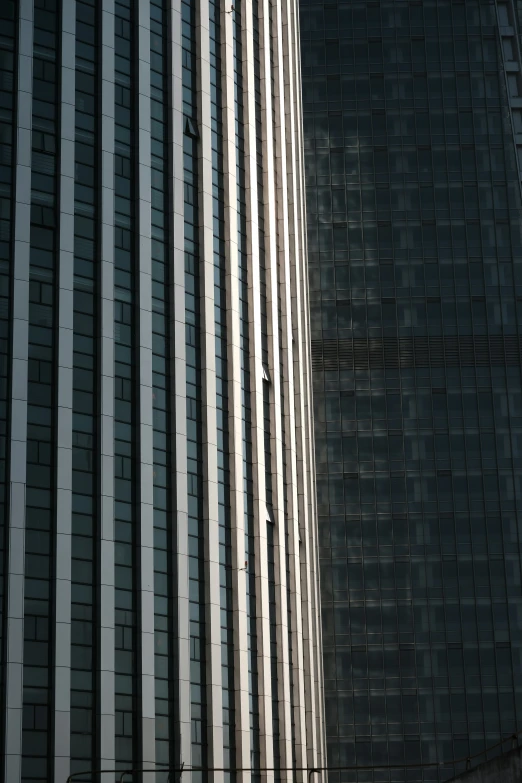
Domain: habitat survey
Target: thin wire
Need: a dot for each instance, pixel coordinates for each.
(164, 767)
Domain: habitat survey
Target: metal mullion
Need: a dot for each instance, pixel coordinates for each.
(179, 390)
(17, 447)
(8, 393)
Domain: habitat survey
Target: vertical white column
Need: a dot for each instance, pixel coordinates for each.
(106, 351)
(235, 416)
(256, 378)
(179, 388)
(17, 452)
(306, 556)
(62, 647)
(208, 382)
(287, 257)
(294, 269)
(276, 246)
(146, 515)
(293, 272)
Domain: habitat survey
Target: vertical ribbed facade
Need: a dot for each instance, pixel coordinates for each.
(158, 570)
(413, 138)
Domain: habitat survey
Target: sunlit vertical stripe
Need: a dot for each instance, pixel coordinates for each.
(223, 228)
(288, 225)
(258, 370)
(295, 626)
(284, 153)
(17, 446)
(237, 715)
(180, 746)
(275, 538)
(252, 369)
(308, 693)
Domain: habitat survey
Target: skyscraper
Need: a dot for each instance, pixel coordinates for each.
(412, 117)
(158, 530)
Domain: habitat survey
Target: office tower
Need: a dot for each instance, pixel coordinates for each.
(412, 125)
(159, 576)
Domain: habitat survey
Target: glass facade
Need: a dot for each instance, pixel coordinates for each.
(193, 394)
(126, 489)
(139, 382)
(40, 528)
(415, 270)
(164, 626)
(85, 516)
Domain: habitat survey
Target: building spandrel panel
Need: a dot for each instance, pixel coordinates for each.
(411, 128)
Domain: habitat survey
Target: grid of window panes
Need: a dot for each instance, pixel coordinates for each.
(125, 474)
(220, 315)
(194, 400)
(164, 534)
(8, 51)
(40, 501)
(84, 463)
(414, 230)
